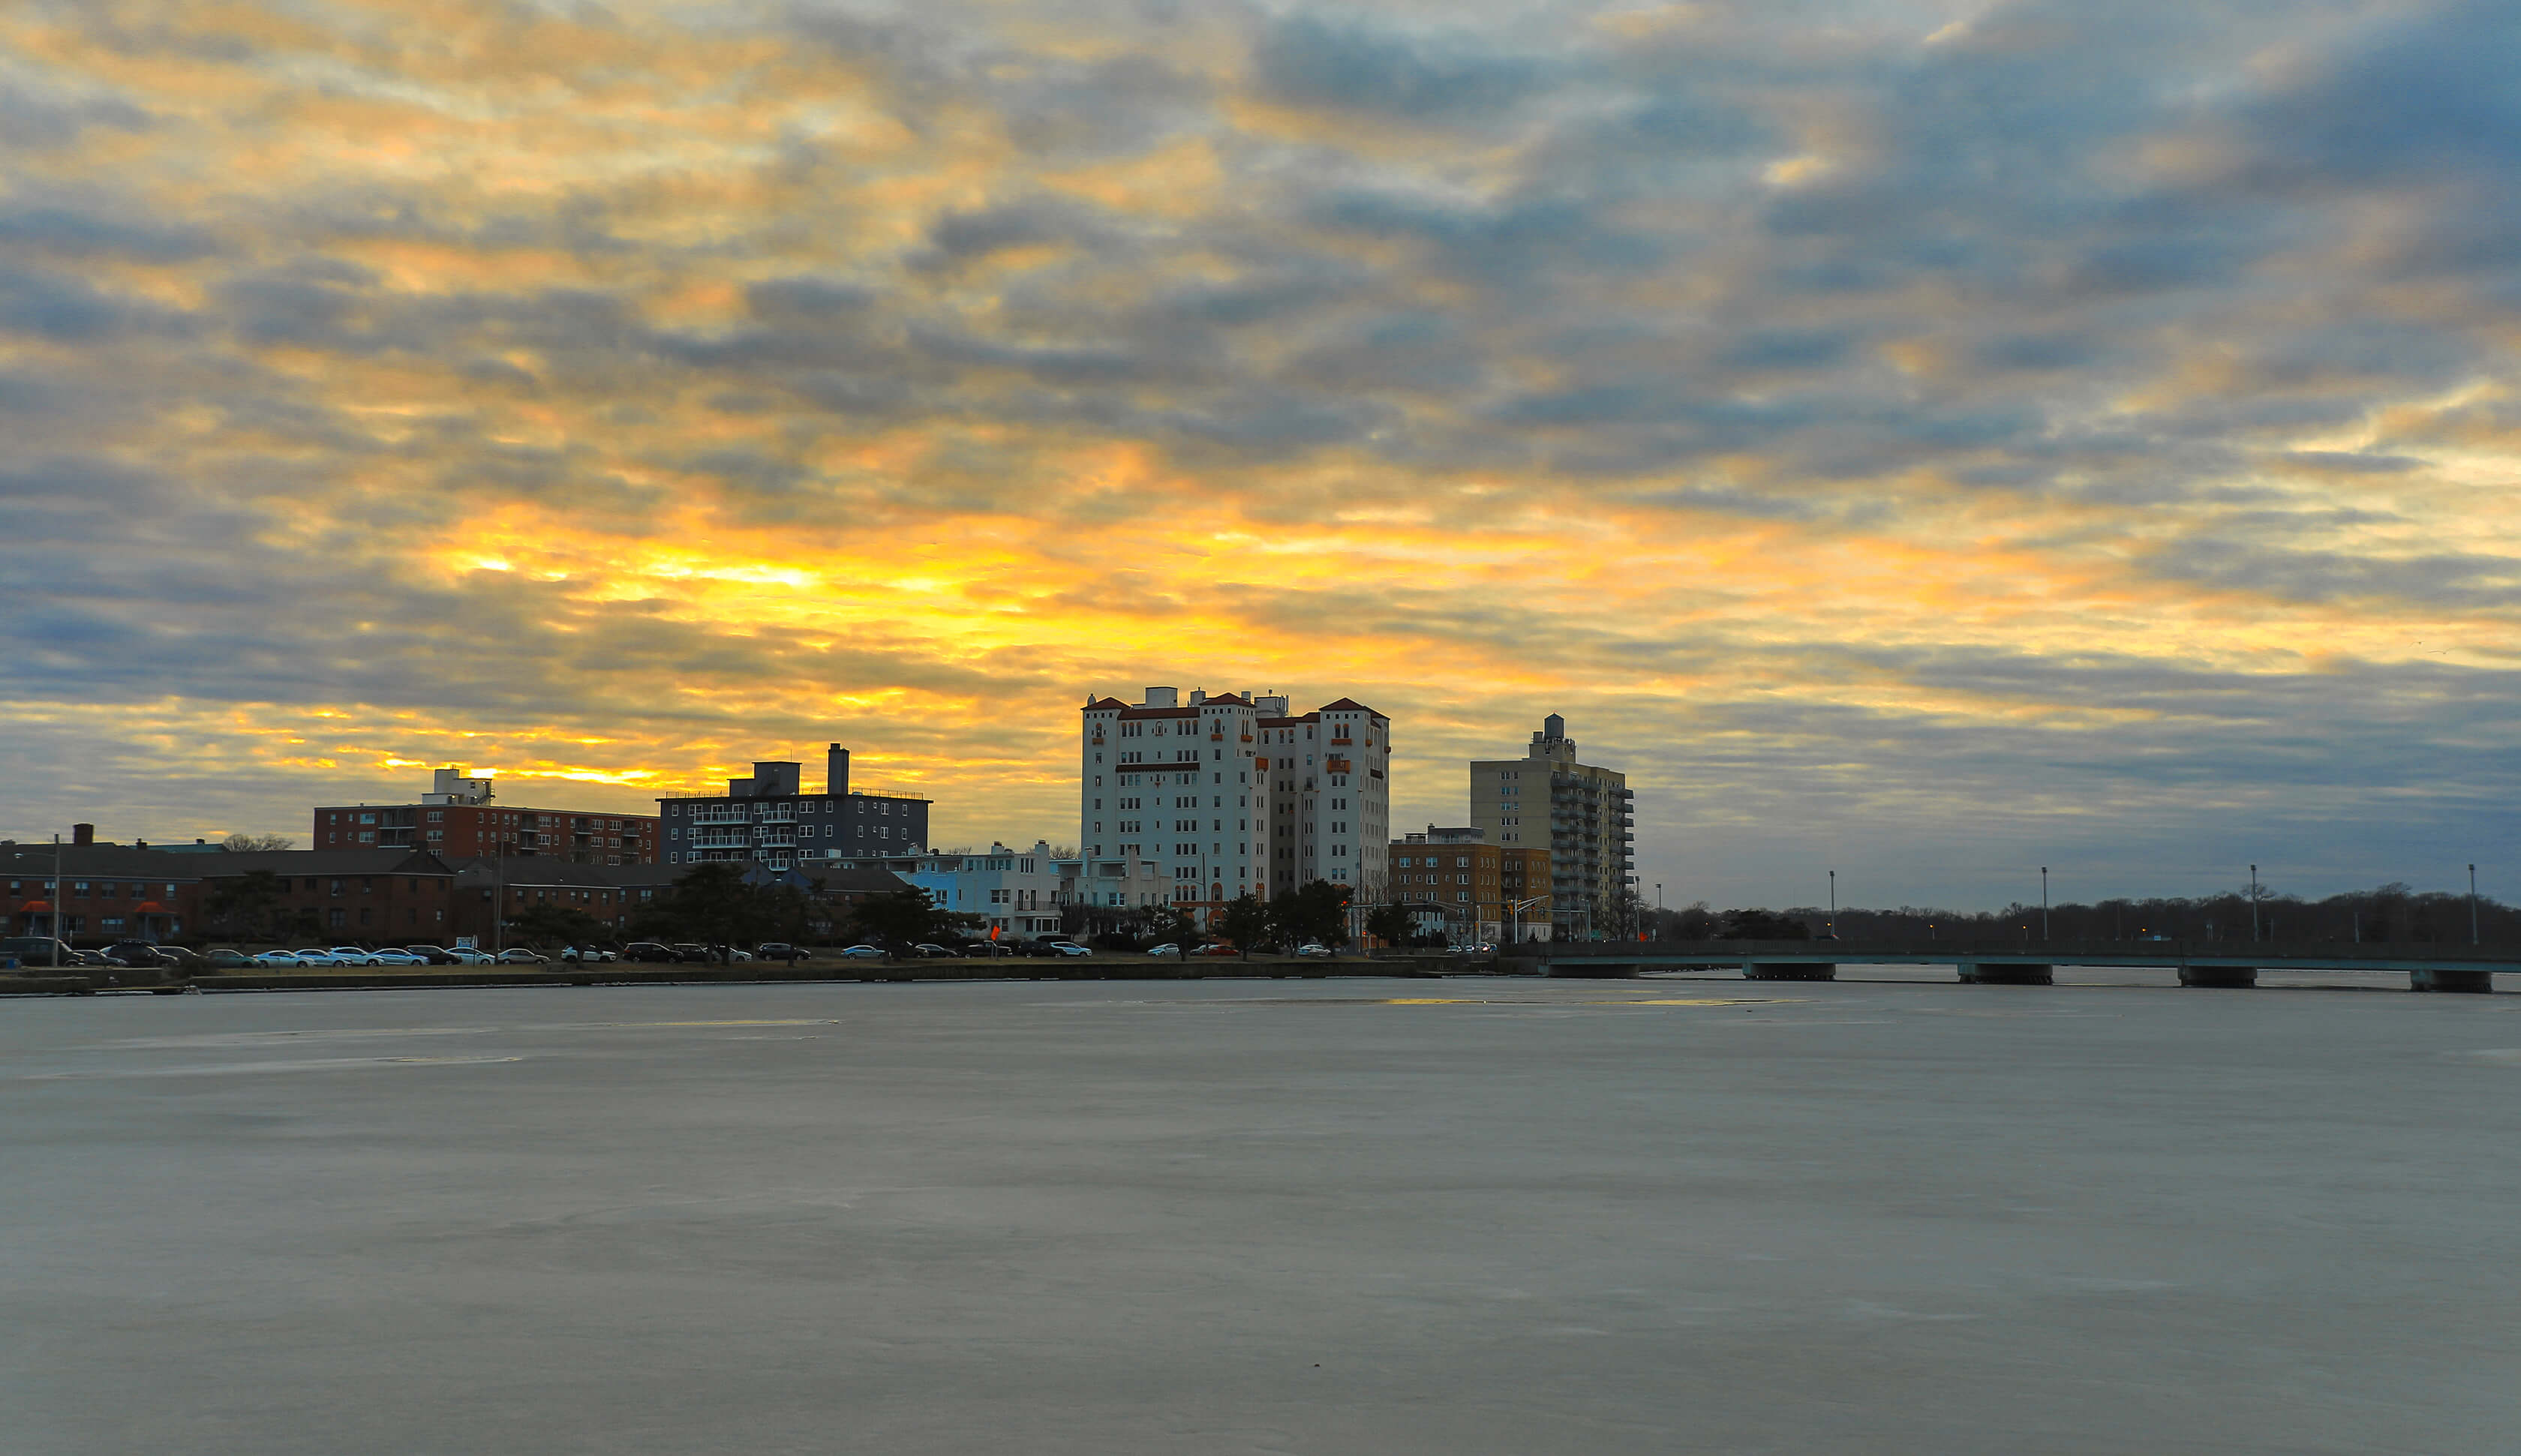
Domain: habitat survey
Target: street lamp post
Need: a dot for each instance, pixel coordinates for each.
(1833, 904)
(2044, 902)
(2472, 904)
(2254, 902)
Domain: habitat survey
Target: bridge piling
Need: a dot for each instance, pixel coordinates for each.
(2006, 973)
(1787, 970)
(2474, 982)
(2219, 977)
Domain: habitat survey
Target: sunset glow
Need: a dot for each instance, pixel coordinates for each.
(1891, 433)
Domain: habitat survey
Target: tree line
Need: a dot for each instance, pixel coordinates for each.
(2388, 914)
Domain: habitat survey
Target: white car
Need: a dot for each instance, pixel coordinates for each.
(351, 955)
(278, 958)
(1165, 949)
(465, 955)
(311, 956)
(391, 956)
(521, 956)
(862, 953)
(1065, 948)
(1312, 948)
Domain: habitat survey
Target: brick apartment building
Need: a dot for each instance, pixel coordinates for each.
(370, 896)
(614, 894)
(458, 818)
(105, 891)
(1470, 884)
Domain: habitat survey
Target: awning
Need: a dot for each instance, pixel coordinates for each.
(150, 907)
(35, 907)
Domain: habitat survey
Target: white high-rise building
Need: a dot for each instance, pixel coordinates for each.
(1232, 794)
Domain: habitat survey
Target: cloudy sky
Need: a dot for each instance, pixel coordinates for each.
(1922, 439)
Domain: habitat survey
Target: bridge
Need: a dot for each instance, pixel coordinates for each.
(2199, 963)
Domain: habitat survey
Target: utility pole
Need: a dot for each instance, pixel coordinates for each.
(2472, 904)
(2044, 902)
(2254, 902)
(1833, 904)
(60, 892)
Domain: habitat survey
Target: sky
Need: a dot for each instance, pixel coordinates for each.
(1921, 441)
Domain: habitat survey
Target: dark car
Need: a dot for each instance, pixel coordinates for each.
(649, 952)
(781, 951)
(693, 953)
(227, 958)
(39, 951)
(987, 948)
(134, 954)
(932, 951)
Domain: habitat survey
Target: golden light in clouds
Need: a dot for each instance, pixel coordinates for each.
(1887, 470)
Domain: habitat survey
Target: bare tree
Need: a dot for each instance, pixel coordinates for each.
(248, 843)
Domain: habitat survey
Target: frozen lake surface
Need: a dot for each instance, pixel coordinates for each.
(1347, 1216)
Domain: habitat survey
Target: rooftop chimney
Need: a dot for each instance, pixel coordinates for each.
(82, 834)
(836, 776)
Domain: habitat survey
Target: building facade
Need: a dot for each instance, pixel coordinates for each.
(769, 819)
(104, 891)
(615, 894)
(1583, 814)
(1014, 891)
(366, 897)
(1477, 889)
(458, 817)
(1233, 795)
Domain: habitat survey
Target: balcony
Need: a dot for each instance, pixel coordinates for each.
(721, 838)
(782, 836)
(777, 814)
(719, 816)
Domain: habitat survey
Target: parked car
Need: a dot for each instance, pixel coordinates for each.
(1312, 948)
(90, 958)
(1168, 948)
(1065, 948)
(435, 955)
(699, 955)
(468, 955)
(278, 958)
(929, 951)
(36, 951)
(781, 951)
(315, 956)
(649, 952)
(392, 957)
(521, 956)
(353, 955)
(137, 953)
(862, 952)
(1220, 948)
(226, 958)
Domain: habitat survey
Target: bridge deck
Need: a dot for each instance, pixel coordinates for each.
(2264, 955)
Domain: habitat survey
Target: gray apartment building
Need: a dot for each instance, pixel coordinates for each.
(769, 819)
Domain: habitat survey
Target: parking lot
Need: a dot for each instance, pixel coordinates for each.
(1462, 1215)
